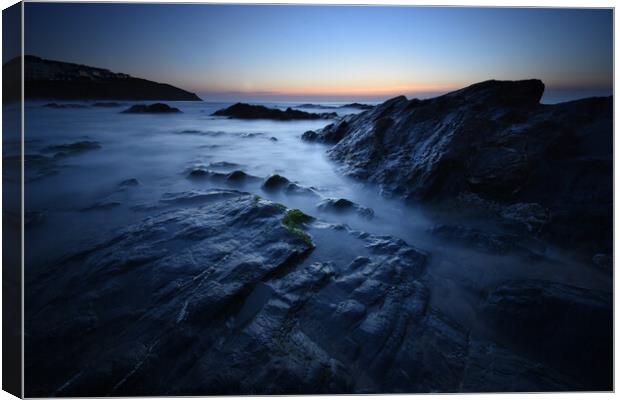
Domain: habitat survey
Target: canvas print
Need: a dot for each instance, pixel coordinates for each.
(228, 199)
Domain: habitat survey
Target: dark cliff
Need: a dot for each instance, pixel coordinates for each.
(47, 79)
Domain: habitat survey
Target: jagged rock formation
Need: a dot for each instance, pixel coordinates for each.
(228, 295)
(155, 108)
(359, 106)
(344, 206)
(496, 141)
(47, 79)
(249, 111)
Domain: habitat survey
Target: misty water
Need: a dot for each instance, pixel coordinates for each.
(82, 202)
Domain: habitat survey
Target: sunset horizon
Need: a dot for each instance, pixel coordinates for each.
(381, 53)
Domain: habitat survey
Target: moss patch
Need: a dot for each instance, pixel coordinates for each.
(293, 220)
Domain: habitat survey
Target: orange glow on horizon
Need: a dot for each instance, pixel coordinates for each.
(350, 90)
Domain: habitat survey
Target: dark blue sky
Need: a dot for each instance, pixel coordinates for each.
(329, 51)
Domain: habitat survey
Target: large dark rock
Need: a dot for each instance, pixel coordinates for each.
(249, 111)
(152, 290)
(47, 79)
(495, 140)
(278, 183)
(236, 176)
(563, 326)
(229, 295)
(489, 242)
(331, 134)
(359, 106)
(155, 108)
(343, 206)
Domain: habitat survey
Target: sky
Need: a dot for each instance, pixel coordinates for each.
(288, 52)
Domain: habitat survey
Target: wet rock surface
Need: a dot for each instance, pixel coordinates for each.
(234, 294)
(490, 241)
(277, 183)
(563, 326)
(249, 111)
(236, 176)
(207, 291)
(345, 206)
(155, 108)
(495, 140)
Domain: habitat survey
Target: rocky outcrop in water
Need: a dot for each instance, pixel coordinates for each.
(277, 183)
(249, 111)
(359, 106)
(229, 295)
(541, 318)
(496, 141)
(48, 79)
(345, 206)
(155, 108)
(236, 176)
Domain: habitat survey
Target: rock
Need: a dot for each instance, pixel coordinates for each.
(345, 206)
(489, 242)
(199, 173)
(319, 106)
(358, 106)
(495, 140)
(174, 279)
(236, 176)
(331, 134)
(566, 327)
(310, 136)
(240, 176)
(155, 108)
(230, 294)
(248, 111)
(69, 149)
(278, 183)
(532, 217)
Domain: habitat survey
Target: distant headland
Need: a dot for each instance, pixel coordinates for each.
(48, 79)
